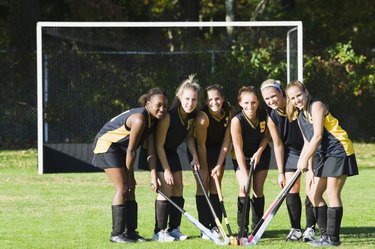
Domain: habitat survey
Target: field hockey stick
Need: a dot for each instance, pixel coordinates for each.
(217, 221)
(233, 241)
(241, 236)
(195, 222)
(271, 211)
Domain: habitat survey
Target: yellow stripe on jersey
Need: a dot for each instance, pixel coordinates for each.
(105, 141)
(331, 124)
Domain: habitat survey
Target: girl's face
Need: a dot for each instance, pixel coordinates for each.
(157, 106)
(272, 97)
(249, 103)
(297, 97)
(214, 100)
(189, 100)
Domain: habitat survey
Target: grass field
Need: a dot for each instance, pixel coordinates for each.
(73, 210)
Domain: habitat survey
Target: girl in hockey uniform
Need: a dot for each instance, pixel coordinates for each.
(212, 131)
(115, 149)
(287, 143)
(171, 131)
(250, 138)
(325, 138)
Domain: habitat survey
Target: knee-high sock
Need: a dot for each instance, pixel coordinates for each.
(257, 210)
(118, 219)
(132, 216)
(204, 214)
(214, 198)
(174, 214)
(321, 218)
(310, 217)
(334, 217)
(243, 214)
(161, 215)
(294, 205)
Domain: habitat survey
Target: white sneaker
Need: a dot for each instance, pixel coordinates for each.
(176, 233)
(162, 236)
(308, 234)
(294, 235)
(215, 232)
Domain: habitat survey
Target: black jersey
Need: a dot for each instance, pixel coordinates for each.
(216, 128)
(290, 132)
(114, 135)
(335, 141)
(178, 128)
(252, 134)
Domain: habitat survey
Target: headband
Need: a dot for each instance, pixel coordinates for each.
(274, 83)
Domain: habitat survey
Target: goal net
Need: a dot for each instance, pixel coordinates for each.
(89, 72)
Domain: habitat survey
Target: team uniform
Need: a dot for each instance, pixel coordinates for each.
(110, 147)
(176, 134)
(216, 130)
(335, 158)
(177, 131)
(291, 137)
(252, 136)
(335, 152)
(112, 141)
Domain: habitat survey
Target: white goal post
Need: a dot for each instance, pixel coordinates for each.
(295, 26)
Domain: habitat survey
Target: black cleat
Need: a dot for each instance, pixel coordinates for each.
(134, 236)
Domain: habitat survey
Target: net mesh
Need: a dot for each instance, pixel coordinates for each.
(92, 74)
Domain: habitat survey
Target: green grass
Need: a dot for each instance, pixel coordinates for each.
(73, 210)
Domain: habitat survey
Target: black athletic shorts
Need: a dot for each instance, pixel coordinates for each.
(290, 162)
(173, 161)
(336, 166)
(109, 160)
(264, 163)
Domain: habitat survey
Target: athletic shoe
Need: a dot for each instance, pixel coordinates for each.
(176, 233)
(162, 236)
(324, 241)
(215, 233)
(120, 239)
(308, 234)
(294, 235)
(133, 235)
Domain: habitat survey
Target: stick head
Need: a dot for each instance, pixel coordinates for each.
(233, 241)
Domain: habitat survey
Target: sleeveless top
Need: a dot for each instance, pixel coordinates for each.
(216, 128)
(252, 135)
(178, 128)
(114, 135)
(335, 141)
(290, 132)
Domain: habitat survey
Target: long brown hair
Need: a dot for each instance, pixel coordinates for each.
(291, 110)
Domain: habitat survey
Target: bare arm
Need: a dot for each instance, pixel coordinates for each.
(238, 144)
(318, 112)
(190, 142)
(278, 148)
(151, 160)
(137, 125)
(262, 146)
(161, 134)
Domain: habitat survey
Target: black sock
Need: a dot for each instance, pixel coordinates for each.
(204, 214)
(161, 215)
(293, 203)
(243, 215)
(118, 219)
(132, 216)
(321, 218)
(214, 198)
(257, 210)
(334, 216)
(310, 217)
(174, 214)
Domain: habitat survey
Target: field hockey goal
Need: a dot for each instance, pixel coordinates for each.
(88, 72)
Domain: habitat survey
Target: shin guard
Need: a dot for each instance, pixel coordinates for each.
(294, 206)
(334, 217)
(174, 214)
